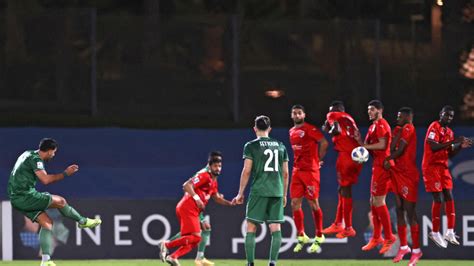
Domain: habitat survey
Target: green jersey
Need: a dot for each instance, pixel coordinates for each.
(267, 157)
(23, 177)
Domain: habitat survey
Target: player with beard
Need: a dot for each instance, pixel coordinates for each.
(198, 190)
(309, 148)
(377, 142)
(440, 145)
(28, 169)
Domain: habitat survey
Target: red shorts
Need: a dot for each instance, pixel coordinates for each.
(380, 182)
(347, 170)
(405, 183)
(437, 178)
(188, 217)
(304, 183)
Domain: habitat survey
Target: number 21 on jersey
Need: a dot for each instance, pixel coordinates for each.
(272, 157)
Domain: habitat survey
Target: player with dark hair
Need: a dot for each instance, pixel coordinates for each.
(201, 260)
(439, 146)
(198, 190)
(28, 169)
(405, 178)
(377, 142)
(342, 127)
(266, 160)
(309, 148)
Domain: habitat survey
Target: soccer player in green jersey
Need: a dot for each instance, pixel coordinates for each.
(29, 168)
(266, 160)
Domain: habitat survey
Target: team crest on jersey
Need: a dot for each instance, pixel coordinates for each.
(405, 191)
(196, 180)
(301, 133)
(39, 165)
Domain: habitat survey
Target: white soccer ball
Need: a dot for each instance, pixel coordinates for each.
(360, 155)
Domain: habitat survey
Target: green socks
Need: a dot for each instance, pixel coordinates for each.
(70, 212)
(275, 246)
(46, 241)
(205, 234)
(250, 247)
(178, 235)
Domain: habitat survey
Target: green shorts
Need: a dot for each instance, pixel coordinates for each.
(265, 209)
(32, 204)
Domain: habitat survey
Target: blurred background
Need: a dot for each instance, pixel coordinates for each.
(138, 92)
(165, 63)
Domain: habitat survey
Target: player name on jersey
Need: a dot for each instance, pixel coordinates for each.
(268, 143)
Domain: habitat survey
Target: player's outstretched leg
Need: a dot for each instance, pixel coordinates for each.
(66, 210)
(336, 226)
(185, 244)
(376, 238)
(46, 239)
(346, 197)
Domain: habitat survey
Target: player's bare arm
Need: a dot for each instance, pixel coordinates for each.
(46, 178)
(395, 153)
(244, 179)
(436, 146)
(285, 181)
(381, 145)
(219, 199)
(323, 148)
(188, 187)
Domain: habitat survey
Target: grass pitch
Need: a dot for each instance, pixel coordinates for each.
(242, 262)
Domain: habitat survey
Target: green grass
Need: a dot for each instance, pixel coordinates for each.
(242, 262)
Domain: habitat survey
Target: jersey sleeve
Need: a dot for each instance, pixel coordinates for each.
(201, 179)
(381, 131)
(285, 153)
(36, 164)
(315, 134)
(331, 117)
(433, 134)
(407, 133)
(247, 152)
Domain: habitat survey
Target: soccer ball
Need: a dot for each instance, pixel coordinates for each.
(360, 155)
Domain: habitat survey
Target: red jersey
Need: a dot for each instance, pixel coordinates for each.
(304, 141)
(407, 161)
(204, 186)
(440, 134)
(379, 129)
(344, 141)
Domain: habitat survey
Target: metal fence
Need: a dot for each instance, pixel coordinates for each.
(220, 70)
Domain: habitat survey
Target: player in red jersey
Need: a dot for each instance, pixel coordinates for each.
(405, 178)
(198, 190)
(341, 126)
(309, 147)
(440, 145)
(377, 141)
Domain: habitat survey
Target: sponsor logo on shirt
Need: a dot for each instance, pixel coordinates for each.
(196, 180)
(431, 135)
(301, 133)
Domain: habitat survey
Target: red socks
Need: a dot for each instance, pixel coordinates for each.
(402, 235)
(450, 212)
(298, 216)
(318, 222)
(415, 236)
(384, 216)
(377, 226)
(435, 215)
(339, 212)
(347, 211)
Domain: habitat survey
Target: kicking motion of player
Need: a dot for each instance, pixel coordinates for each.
(201, 260)
(439, 146)
(266, 160)
(342, 127)
(198, 190)
(309, 148)
(377, 141)
(405, 179)
(24, 197)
